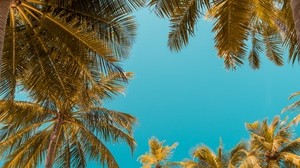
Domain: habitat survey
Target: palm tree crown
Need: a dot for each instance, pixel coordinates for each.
(81, 133)
(158, 155)
(275, 143)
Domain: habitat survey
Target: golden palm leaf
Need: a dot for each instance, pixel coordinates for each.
(158, 154)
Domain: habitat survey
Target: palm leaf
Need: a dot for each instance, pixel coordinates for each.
(206, 155)
(231, 27)
(255, 50)
(292, 147)
(291, 158)
(183, 23)
(29, 154)
(273, 43)
(290, 41)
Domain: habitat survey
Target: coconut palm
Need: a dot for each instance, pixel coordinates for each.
(64, 84)
(101, 28)
(57, 123)
(158, 155)
(235, 22)
(28, 129)
(275, 144)
(59, 80)
(239, 156)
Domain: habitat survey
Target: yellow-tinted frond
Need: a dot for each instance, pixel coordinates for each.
(182, 24)
(189, 164)
(272, 41)
(204, 154)
(253, 126)
(231, 27)
(291, 158)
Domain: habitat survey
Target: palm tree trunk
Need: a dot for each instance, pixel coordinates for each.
(53, 142)
(295, 6)
(4, 9)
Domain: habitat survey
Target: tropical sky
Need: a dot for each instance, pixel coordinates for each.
(189, 97)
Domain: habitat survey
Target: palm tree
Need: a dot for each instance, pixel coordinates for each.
(101, 28)
(63, 84)
(59, 80)
(235, 23)
(70, 102)
(275, 144)
(158, 155)
(28, 129)
(239, 156)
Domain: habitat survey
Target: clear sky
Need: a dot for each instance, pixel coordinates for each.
(189, 97)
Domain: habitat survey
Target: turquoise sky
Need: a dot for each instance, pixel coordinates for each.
(189, 97)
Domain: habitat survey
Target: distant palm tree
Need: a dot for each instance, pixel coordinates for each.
(103, 28)
(275, 144)
(158, 155)
(235, 23)
(70, 135)
(237, 157)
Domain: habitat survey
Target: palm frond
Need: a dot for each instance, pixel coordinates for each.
(97, 149)
(291, 158)
(273, 44)
(165, 8)
(183, 23)
(31, 153)
(13, 64)
(290, 41)
(189, 164)
(183, 16)
(251, 161)
(204, 154)
(97, 115)
(63, 159)
(238, 153)
(148, 160)
(231, 28)
(292, 147)
(172, 165)
(293, 106)
(255, 50)
(77, 150)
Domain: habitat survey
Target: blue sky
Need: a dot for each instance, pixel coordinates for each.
(189, 97)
